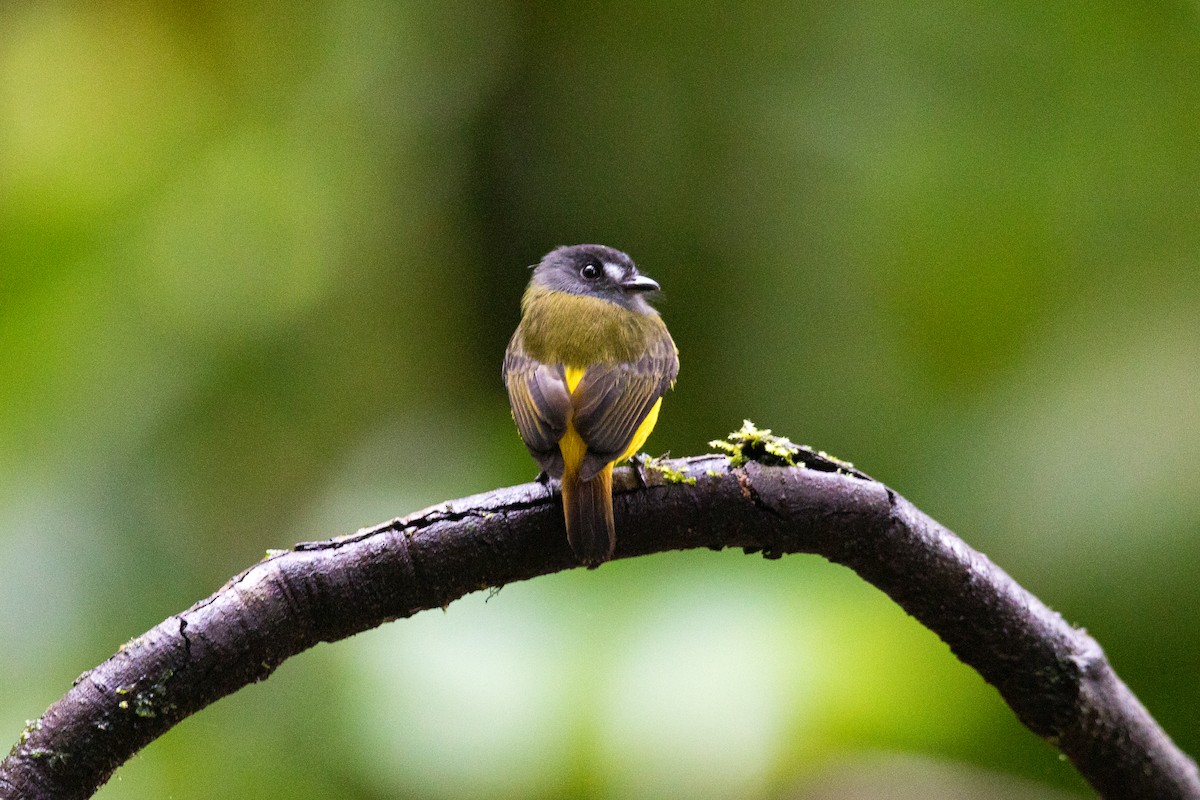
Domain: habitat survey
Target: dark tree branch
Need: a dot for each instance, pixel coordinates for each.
(1054, 676)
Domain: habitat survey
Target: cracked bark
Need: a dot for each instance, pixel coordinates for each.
(1054, 677)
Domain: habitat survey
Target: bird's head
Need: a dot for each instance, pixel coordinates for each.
(597, 271)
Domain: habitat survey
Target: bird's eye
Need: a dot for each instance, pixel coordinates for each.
(590, 271)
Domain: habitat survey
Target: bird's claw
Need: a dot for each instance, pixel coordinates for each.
(638, 462)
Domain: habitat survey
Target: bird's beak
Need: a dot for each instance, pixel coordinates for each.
(640, 283)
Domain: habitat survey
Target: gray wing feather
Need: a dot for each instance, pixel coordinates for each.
(540, 404)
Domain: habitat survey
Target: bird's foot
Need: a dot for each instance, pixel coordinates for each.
(639, 462)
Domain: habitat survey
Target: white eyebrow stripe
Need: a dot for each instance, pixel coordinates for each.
(615, 273)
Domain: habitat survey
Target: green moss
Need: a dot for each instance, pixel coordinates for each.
(149, 702)
(670, 474)
(36, 752)
(751, 443)
(841, 462)
(31, 725)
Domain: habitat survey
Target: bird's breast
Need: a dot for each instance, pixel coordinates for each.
(562, 328)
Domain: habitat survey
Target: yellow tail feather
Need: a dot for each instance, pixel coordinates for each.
(587, 507)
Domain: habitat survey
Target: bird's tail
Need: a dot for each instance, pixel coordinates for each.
(587, 506)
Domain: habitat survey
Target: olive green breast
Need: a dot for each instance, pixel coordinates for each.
(576, 330)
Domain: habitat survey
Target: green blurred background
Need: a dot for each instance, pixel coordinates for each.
(259, 263)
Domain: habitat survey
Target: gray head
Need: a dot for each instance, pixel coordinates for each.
(596, 271)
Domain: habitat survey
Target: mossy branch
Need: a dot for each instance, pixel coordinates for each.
(764, 495)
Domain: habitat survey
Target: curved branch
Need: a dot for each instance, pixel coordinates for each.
(1054, 676)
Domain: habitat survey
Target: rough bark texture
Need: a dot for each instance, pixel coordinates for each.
(1054, 676)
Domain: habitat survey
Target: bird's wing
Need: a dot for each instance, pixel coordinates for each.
(541, 404)
(612, 400)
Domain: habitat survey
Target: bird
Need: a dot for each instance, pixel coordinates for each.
(585, 372)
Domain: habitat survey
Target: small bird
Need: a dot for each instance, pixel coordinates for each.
(585, 372)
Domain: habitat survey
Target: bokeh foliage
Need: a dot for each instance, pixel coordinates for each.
(259, 262)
